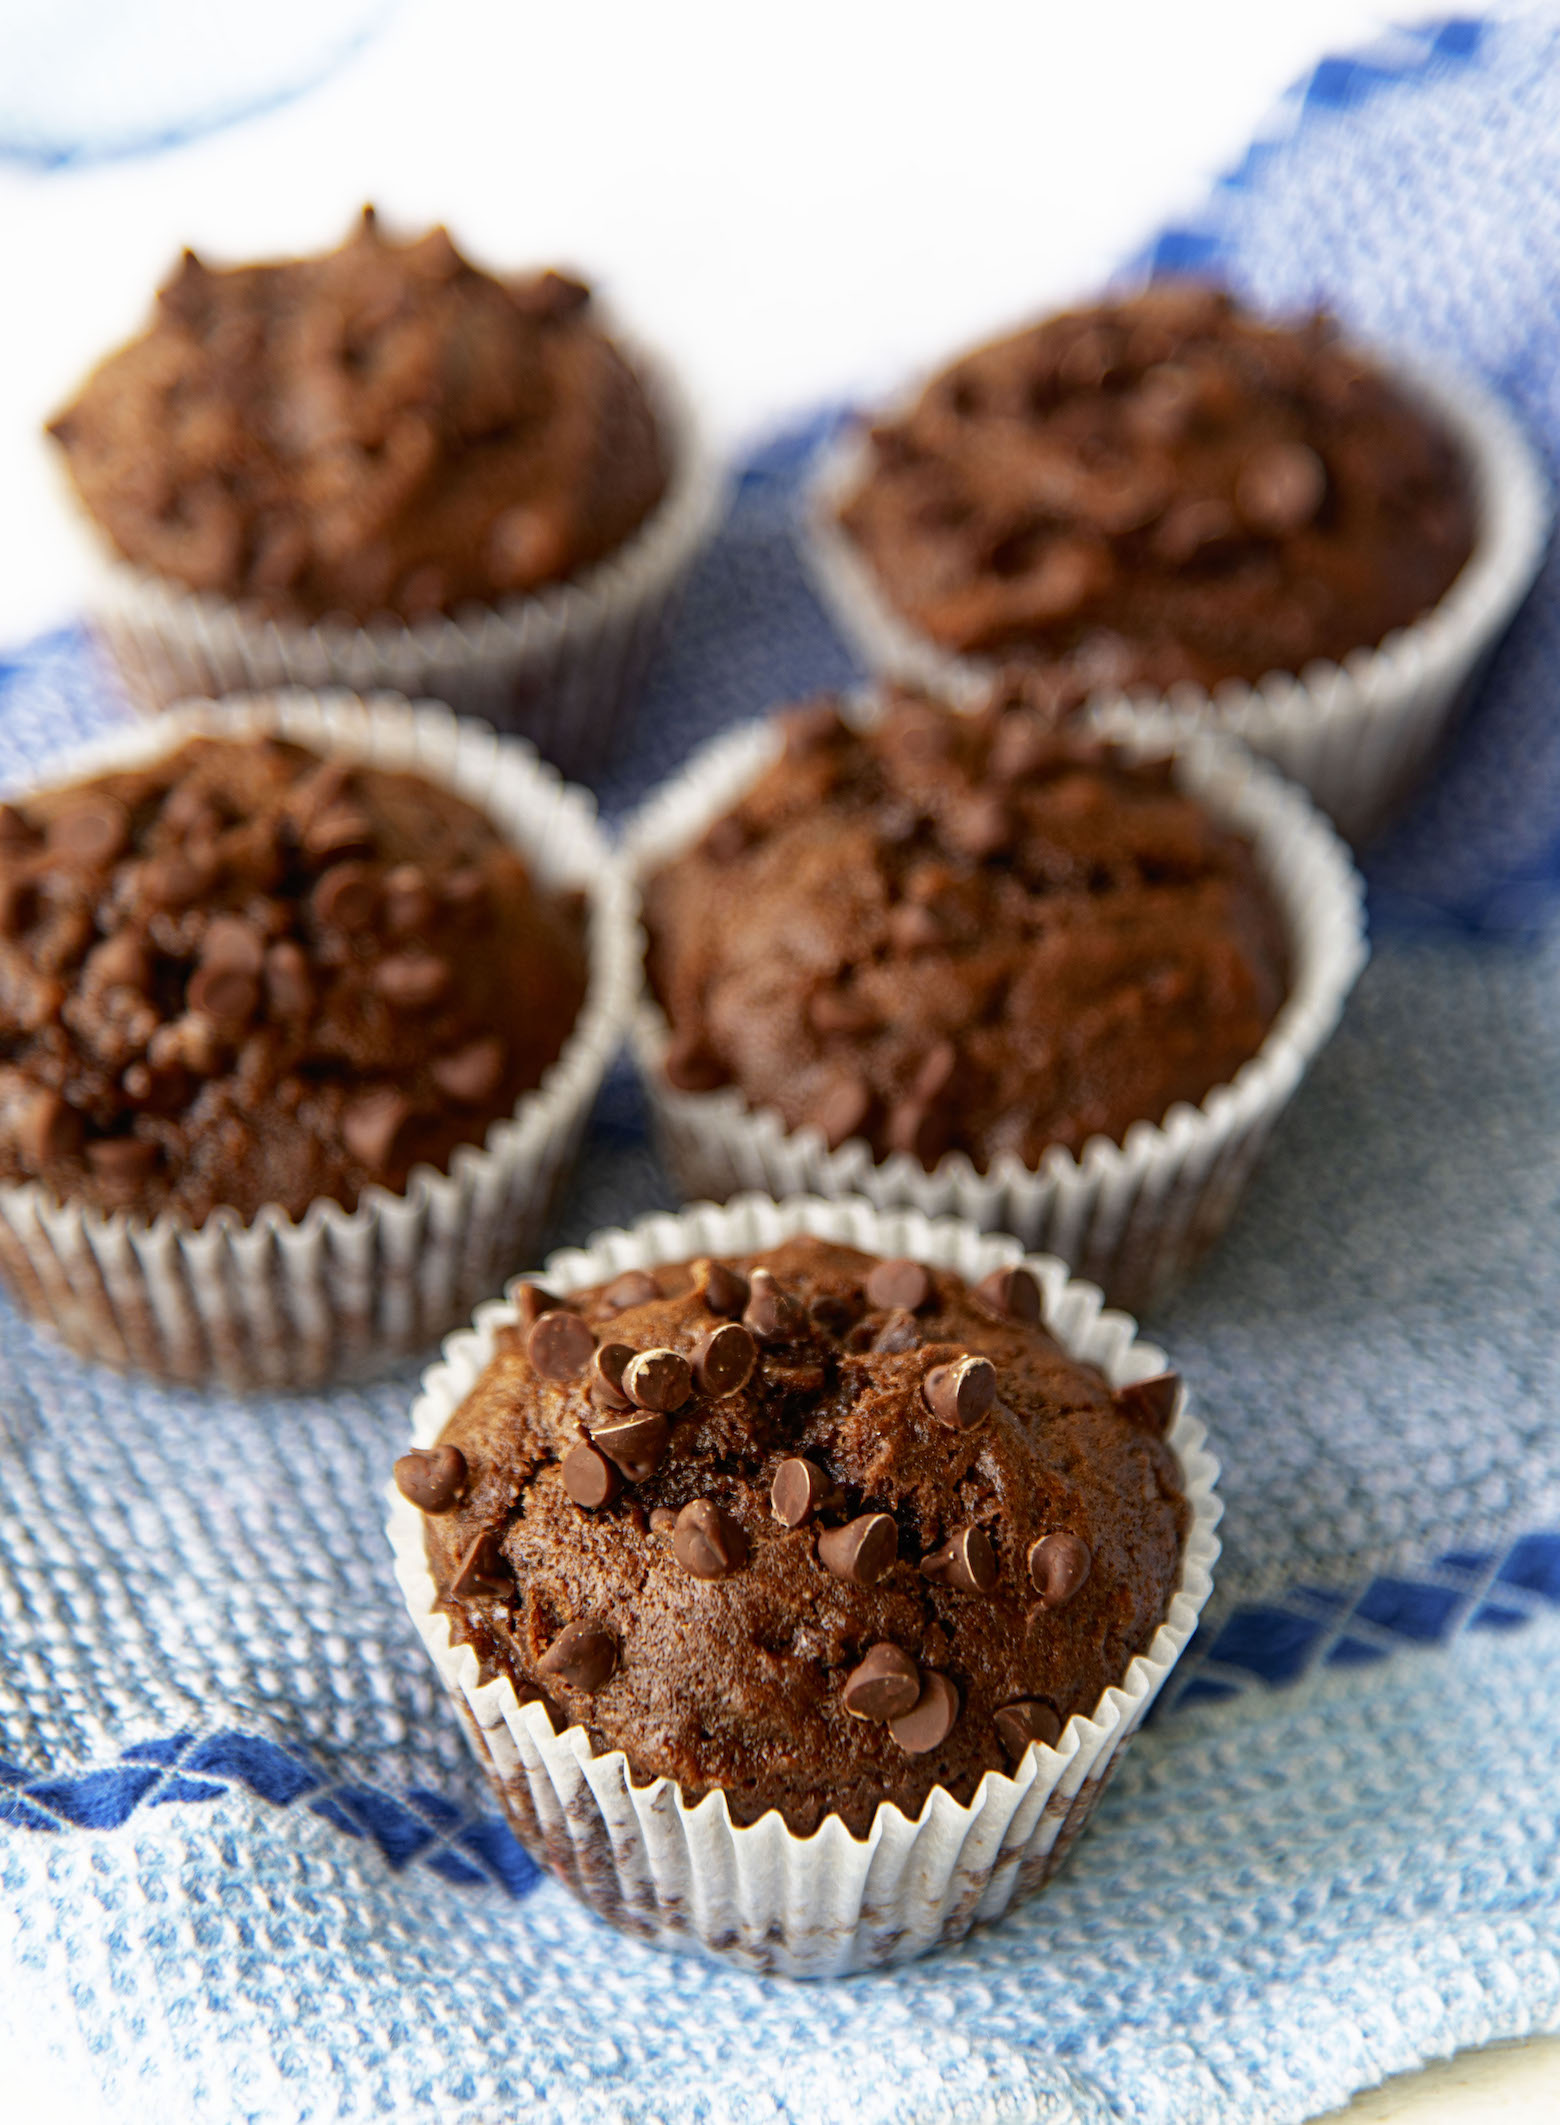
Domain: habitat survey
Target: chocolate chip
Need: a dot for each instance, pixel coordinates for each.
(799, 1488)
(1058, 1566)
(724, 1360)
(898, 1334)
(225, 994)
(1150, 1404)
(589, 1477)
(411, 981)
(549, 295)
(530, 1302)
(18, 906)
(658, 1379)
(375, 1127)
(15, 832)
(123, 1161)
(662, 1520)
(559, 1346)
(1011, 1294)
(843, 1110)
(172, 881)
(726, 839)
(898, 1284)
(606, 1375)
(231, 941)
(635, 1443)
(409, 902)
(1028, 1719)
(1279, 488)
(465, 893)
(966, 1560)
(431, 1478)
(346, 898)
(835, 1313)
(482, 1569)
(583, 1655)
(708, 1542)
(633, 1288)
(93, 831)
(885, 1685)
(470, 1074)
(913, 928)
(48, 1128)
(724, 1290)
(980, 826)
(691, 1066)
(771, 1313)
(961, 1393)
(934, 1079)
(838, 1011)
(289, 986)
(931, 1720)
(921, 1129)
(122, 961)
(339, 830)
(862, 1550)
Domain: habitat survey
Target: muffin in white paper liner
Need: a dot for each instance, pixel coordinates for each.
(561, 666)
(682, 1874)
(1132, 1216)
(274, 1302)
(1360, 735)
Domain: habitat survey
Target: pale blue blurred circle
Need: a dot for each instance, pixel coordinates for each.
(89, 80)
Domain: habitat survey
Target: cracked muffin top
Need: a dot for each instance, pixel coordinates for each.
(985, 933)
(244, 974)
(385, 429)
(1159, 490)
(812, 1528)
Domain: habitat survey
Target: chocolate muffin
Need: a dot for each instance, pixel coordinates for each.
(1159, 490)
(243, 975)
(986, 933)
(813, 1529)
(382, 430)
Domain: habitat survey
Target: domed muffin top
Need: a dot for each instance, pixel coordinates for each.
(983, 933)
(242, 974)
(382, 429)
(811, 1528)
(1158, 490)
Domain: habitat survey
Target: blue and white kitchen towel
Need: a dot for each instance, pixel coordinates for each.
(246, 1869)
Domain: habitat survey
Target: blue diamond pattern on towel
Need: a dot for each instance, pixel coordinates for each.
(273, 1885)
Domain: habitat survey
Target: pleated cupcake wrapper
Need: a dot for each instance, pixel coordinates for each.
(680, 1873)
(1360, 735)
(560, 667)
(274, 1303)
(1132, 1216)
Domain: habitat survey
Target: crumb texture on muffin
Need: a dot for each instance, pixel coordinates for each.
(811, 1528)
(384, 429)
(1160, 490)
(244, 975)
(940, 932)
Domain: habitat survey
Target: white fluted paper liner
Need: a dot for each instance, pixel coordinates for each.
(1132, 1216)
(683, 1875)
(279, 1303)
(1360, 735)
(560, 667)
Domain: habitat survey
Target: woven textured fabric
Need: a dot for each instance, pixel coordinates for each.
(247, 1870)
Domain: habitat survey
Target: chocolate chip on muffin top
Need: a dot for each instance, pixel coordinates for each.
(889, 1537)
(382, 429)
(985, 933)
(1162, 489)
(243, 974)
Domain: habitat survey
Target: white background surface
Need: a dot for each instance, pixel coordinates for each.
(797, 202)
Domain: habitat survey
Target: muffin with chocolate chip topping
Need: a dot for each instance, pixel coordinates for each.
(383, 463)
(1221, 520)
(811, 1529)
(808, 1531)
(250, 971)
(988, 960)
(1160, 490)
